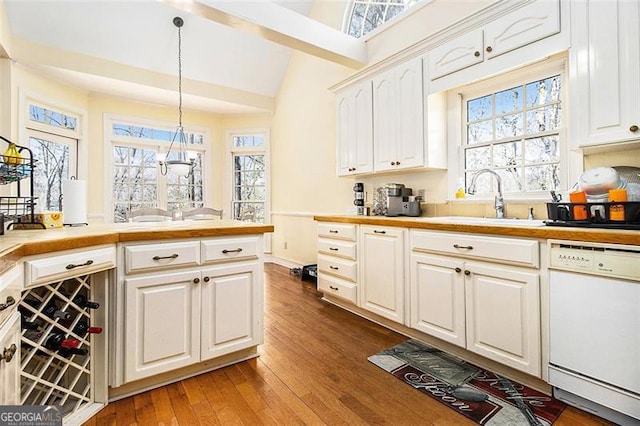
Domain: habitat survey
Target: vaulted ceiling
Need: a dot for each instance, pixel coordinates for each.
(234, 53)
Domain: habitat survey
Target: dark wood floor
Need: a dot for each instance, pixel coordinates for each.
(312, 369)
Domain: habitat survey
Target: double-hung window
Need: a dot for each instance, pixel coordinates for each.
(136, 180)
(514, 125)
(52, 136)
(249, 169)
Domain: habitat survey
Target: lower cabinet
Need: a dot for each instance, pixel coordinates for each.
(176, 319)
(10, 361)
(382, 289)
(490, 309)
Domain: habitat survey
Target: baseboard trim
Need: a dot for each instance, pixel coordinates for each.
(282, 262)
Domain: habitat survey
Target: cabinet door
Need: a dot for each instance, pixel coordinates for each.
(10, 370)
(162, 323)
(232, 305)
(503, 315)
(382, 271)
(437, 297)
(456, 54)
(522, 27)
(605, 65)
(355, 130)
(385, 126)
(411, 118)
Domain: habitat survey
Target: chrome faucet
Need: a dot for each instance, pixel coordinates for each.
(499, 200)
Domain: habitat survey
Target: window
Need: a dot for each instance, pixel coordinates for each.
(516, 130)
(364, 16)
(136, 180)
(249, 176)
(52, 137)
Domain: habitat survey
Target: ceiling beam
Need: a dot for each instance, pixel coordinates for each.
(281, 25)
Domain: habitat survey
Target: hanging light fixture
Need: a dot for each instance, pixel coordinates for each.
(184, 161)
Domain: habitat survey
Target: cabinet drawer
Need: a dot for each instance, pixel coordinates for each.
(337, 287)
(337, 248)
(505, 250)
(229, 249)
(148, 257)
(40, 271)
(340, 267)
(11, 284)
(340, 231)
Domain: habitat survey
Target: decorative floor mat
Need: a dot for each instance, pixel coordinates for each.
(480, 395)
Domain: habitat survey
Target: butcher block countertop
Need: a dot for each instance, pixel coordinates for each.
(543, 232)
(19, 243)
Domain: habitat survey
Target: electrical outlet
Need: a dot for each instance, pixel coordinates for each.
(285, 245)
(422, 193)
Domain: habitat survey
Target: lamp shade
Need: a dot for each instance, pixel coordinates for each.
(179, 168)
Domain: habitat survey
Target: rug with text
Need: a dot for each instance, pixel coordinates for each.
(480, 395)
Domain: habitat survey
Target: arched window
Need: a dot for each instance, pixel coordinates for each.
(364, 16)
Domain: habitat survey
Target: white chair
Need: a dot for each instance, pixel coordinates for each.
(149, 214)
(202, 213)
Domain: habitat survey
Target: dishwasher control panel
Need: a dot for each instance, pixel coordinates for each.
(600, 259)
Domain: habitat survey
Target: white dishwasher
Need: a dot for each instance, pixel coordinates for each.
(594, 327)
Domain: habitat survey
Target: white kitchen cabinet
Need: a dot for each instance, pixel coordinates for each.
(355, 130)
(162, 315)
(382, 266)
(209, 304)
(489, 308)
(232, 307)
(399, 117)
(437, 297)
(604, 69)
(477, 50)
(10, 361)
(338, 260)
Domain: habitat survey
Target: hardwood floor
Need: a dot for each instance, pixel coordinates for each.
(312, 369)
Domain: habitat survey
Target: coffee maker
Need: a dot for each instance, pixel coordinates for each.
(401, 202)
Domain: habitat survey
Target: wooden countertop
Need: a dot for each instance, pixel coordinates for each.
(19, 243)
(543, 232)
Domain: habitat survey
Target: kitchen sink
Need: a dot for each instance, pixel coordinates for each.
(468, 220)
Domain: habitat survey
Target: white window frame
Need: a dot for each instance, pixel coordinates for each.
(78, 153)
(228, 179)
(457, 126)
(110, 140)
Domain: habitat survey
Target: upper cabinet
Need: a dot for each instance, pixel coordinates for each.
(398, 108)
(604, 69)
(514, 32)
(355, 130)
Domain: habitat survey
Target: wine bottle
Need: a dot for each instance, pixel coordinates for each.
(57, 341)
(65, 352)
(51, 310)
(83, 302)
(26, 324)
(83, 328)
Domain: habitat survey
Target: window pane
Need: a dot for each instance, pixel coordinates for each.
(507, 154)
(52, 169)
(135, 180)
(509, 126)
(542, 178)
(478, 158)
(480, 132)
(543, 91)
(357, 20)
(511, 180)
(248, 141)
(509, 100)
(542, 150)
(479, 108)
(543, 119)
(53, 118)
(374, 17)
(124, 129)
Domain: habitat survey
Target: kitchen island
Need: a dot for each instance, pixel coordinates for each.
(175, 299)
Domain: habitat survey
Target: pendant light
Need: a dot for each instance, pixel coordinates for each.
(183, 162)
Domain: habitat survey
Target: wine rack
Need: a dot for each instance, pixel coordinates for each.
(52, 315)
